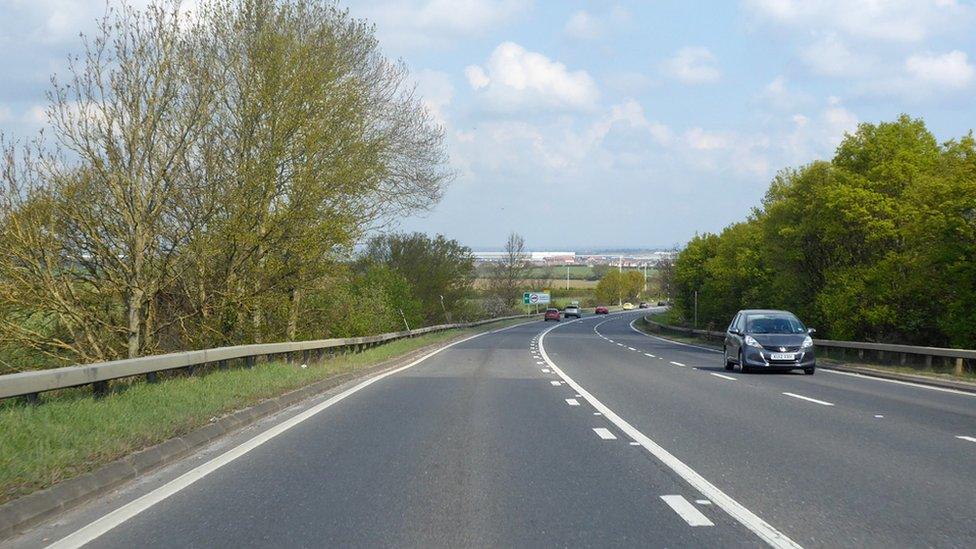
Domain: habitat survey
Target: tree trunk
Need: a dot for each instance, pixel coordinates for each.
(296, 297)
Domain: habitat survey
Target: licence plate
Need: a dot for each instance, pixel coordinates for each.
(783, 356)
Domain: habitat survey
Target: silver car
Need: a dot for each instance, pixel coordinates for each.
(572, 310)
(759, 339)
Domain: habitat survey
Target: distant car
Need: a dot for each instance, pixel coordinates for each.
(644, 305)
(602, 310)
(572, 310)
(661, 304)
(552, 314)
(628, 306)
(761, 339)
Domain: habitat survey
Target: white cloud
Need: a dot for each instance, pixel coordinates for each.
(777, 95)
(437, 92)
(414, 24)
(693, 65)
(950, 70)
(583, 25)
(476, 77)
(887, 20)
(702, 140)
(515, 78)
(830, 55)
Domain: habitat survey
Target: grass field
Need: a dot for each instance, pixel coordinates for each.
(71, 433)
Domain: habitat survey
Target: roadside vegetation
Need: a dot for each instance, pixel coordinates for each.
(203, 181)
(876, 244)
(72, 433)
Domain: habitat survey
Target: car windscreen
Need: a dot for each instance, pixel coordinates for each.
(774, 323)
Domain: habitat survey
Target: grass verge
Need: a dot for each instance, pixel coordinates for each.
(71, 433)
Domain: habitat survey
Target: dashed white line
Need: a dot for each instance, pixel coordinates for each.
(878, 416)
(604, 433)
(572, 402)
(632, 349)
(808, 399)
(723, 376)
(678, 364)
(556, 383)
(635, 443)
(546, 371)
(736, 510)
(540, 362)
(649, 354)
(703, 502)
(687, 511)
(963, 437)
(597, 414)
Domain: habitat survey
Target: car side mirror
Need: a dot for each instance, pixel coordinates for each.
(811, 331)
(734, 331)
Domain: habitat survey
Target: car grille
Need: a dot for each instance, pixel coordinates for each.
(781, 349)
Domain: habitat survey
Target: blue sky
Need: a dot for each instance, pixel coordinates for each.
(586, 124)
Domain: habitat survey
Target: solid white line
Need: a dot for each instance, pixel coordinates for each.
(572, 402)
(687, 511)
(899, 382)
(723, 376)
(604, 433)
(808, 399)
(678, 364)
(747, 518)
(672, 341)
(970, 439)
(113, 519)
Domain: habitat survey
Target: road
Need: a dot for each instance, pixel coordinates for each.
(583, 433)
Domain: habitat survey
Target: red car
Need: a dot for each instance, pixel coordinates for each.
(602, 310)
(552, 314)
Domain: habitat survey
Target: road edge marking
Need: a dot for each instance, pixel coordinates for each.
(736, 510)
(109, 521)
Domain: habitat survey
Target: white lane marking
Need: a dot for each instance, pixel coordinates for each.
(672, 341)
(723, 376)
(687, 511)
(106, 523)
(632, 349)
(747, 518)
(678, 364)
(597, 414)
(546, 371)
(556, 383)
(604, 433)
(572, 402)
(649, 354)
(610, 340)
(963, 437)
(899, 382)
(620, 345)
(808, 399)
(635, 443)
(540, 362)
(879, 416)
(703, 502)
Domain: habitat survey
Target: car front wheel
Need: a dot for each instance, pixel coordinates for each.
(728, 363)
(742, 364)
(809, 371)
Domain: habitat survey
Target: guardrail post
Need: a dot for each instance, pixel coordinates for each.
(305, 356)
(249, 361)
(32, 399)
(904, 357)
(221, 364)
(100, 388)
(928, 361)
(959, 367)
(151, 377)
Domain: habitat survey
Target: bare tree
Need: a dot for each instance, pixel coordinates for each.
(509, 274)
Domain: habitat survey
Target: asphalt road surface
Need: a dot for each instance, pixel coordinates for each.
(584, 433)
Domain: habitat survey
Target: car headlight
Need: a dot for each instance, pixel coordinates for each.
(751, 341)
(808, 342)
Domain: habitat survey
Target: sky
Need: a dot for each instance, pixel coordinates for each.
(588, 124)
